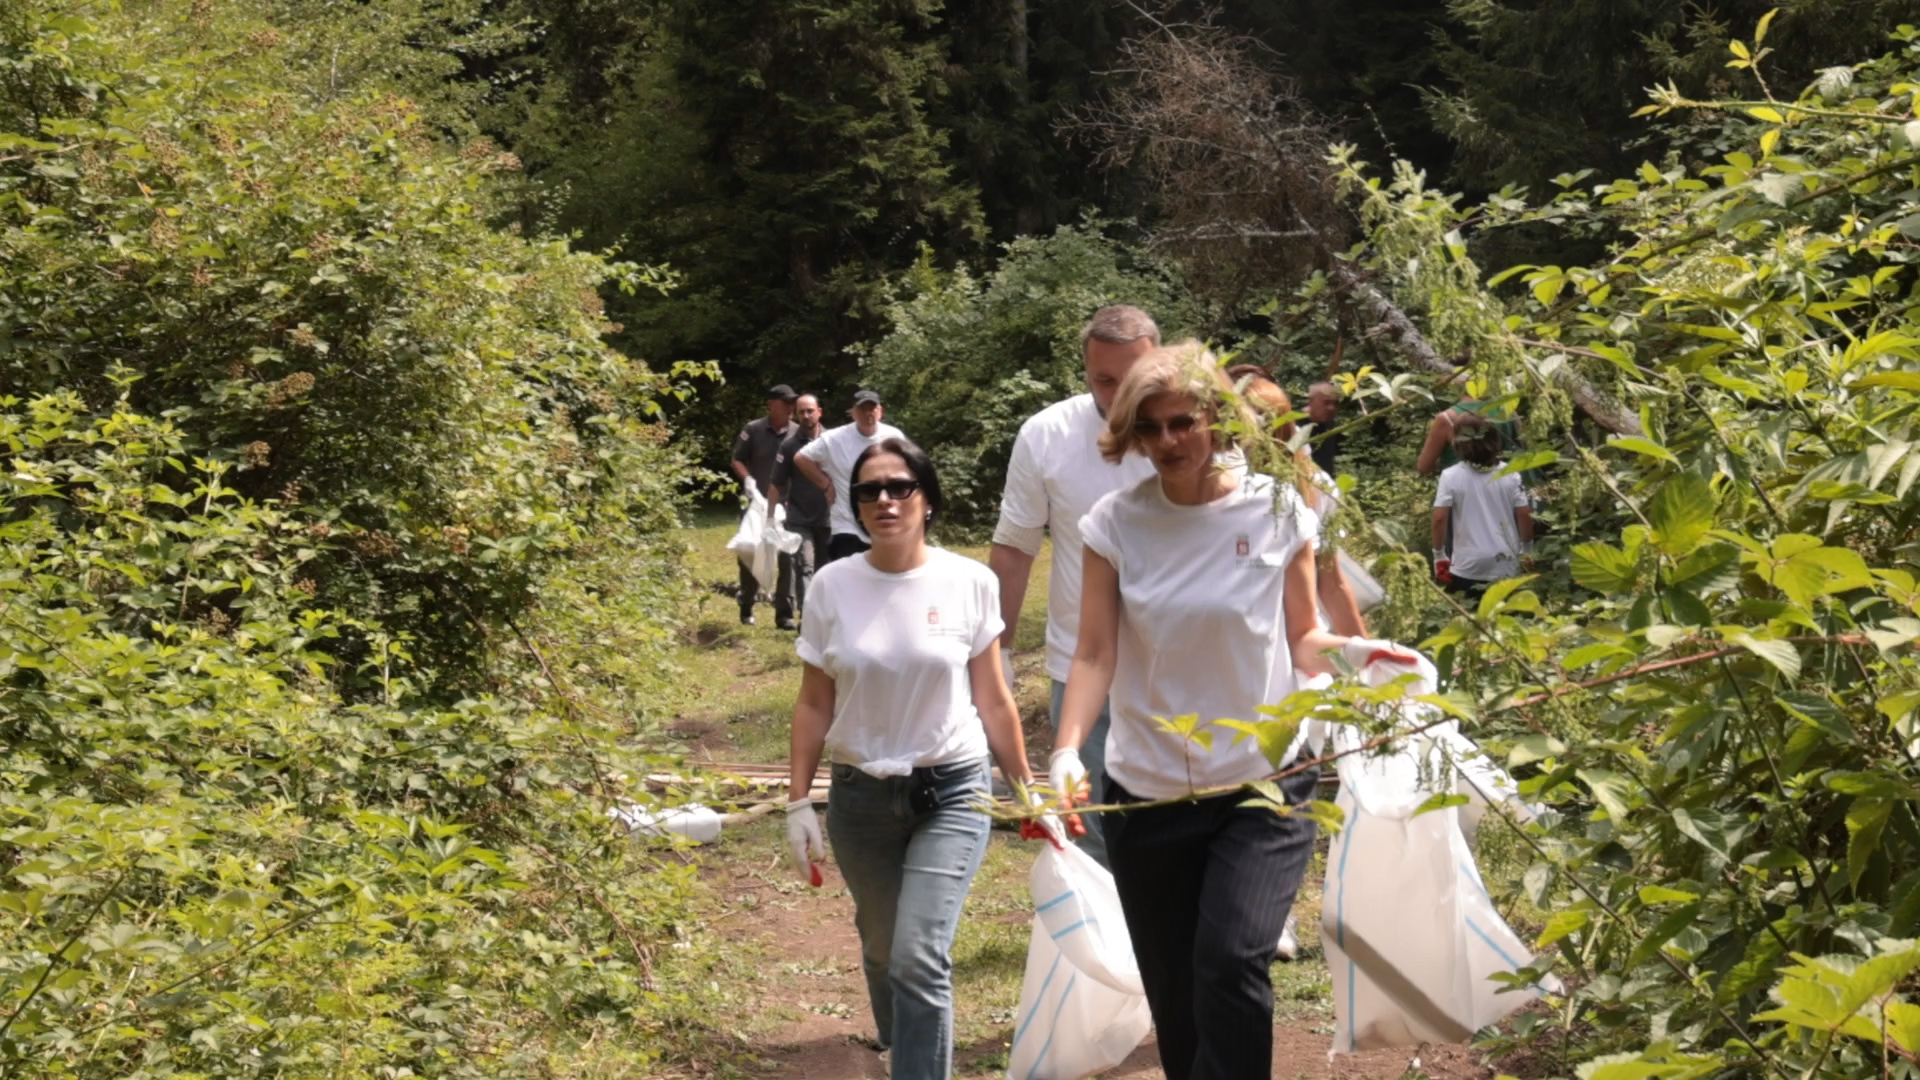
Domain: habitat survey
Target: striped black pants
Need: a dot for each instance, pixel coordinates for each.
(1206, 887)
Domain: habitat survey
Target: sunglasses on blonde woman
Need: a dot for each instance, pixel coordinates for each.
(896, 490)
(1176, 426)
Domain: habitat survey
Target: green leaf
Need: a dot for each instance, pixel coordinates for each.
(1903, 1025)
(1660, 894)
(1611, 789)
(1781, 654)
(1531, 748)
(1275, 737)
(1866, 820)
(1497, 594)
(1602, 567)
(1704, 827)
(1899, 380)
(1644, 447)
(1771, 116)
(1440, 800)
(1565, 922)
(1671, 923)
(1681, 514)
(1532, 459)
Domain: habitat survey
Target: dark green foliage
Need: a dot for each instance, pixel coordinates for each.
(1541, 87)
(1713, 686)
(334, 583)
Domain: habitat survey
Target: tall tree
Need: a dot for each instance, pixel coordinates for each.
(1534, 88)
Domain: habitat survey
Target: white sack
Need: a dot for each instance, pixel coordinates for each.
(1410, 933)
(761, 540)
(1082, 1008)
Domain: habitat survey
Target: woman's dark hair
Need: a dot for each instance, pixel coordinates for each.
(918, 463)
(1478, 445)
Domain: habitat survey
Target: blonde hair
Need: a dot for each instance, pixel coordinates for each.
(1267, 397)
(1187, 368)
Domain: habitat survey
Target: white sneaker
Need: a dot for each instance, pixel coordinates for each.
(1289, 946)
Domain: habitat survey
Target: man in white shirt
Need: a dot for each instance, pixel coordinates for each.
(828, 462)
(1055, 476)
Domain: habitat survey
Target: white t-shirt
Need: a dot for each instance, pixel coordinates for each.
(1486, 539)
(835, 452)
(1203, 627)
(897, 647)
(1055, 477)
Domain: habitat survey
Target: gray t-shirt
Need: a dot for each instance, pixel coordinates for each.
(758, 446)
(806, 500)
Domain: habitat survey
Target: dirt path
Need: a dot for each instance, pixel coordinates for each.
(816, 1024)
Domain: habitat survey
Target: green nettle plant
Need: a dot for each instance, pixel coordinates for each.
(1720, 716)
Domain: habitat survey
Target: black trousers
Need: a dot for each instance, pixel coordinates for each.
(812, 555)
(782, 591)
(1206, 887)
(845, 544)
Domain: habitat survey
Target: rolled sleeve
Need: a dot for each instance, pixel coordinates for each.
(815, 629)
(743, 446)
(1518, 494)
(815, 451)
(1023, 502)
(1096, 532)
(991, 626)
(1443, 497)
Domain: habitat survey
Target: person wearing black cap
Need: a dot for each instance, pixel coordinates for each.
(754, 455)
(828, 462)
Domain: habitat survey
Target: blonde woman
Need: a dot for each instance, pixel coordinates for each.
(1337, 605)
(1198, 599)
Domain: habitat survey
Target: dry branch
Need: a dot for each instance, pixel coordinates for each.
(1238, 164)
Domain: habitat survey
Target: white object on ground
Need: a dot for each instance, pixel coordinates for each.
(762, 538)
(1411, 935)
(693, 821)
(1082, 1007)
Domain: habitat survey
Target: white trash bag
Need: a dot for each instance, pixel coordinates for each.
(1082, 1008)
(762, 539)
(1410, 933)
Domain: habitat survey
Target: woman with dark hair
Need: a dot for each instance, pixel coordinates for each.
(902, 687)
(1482, 523)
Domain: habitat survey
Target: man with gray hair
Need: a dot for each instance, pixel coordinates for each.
(1054, 478)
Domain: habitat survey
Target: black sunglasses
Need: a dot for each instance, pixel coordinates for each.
(897, 490)
(1176, 426)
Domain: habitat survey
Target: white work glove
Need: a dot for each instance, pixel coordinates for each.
(1360, 652)
(1065, 773)
(804, 838)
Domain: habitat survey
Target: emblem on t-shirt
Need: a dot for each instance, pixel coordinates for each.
(1242, 546)
(933, 616)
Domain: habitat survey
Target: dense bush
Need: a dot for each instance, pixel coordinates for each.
(313, 293)
(1721, 715)
(969, 359)
(334, 583)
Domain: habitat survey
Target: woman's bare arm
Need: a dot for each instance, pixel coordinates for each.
(1000, 715)
(812, 716)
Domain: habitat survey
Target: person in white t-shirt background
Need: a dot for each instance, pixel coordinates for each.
(1055, 476)
(1197, 598)
(902, 687)
(1487, 518)
(828, 462)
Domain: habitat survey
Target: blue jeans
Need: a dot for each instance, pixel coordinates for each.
(909, 871)
(1093, 754)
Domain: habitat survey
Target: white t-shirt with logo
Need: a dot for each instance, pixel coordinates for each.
(835, 452)
(897, 647)
(1486, 538)
(1203, 627)
(1054, 478)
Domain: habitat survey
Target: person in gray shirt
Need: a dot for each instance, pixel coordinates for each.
(754, 454)
(807, 512)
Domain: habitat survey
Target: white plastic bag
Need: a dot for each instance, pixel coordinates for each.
(1367, 591)
(1410, 933)
(1082, 1008)
(762, 539)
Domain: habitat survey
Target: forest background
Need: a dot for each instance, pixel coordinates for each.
(359, 359)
